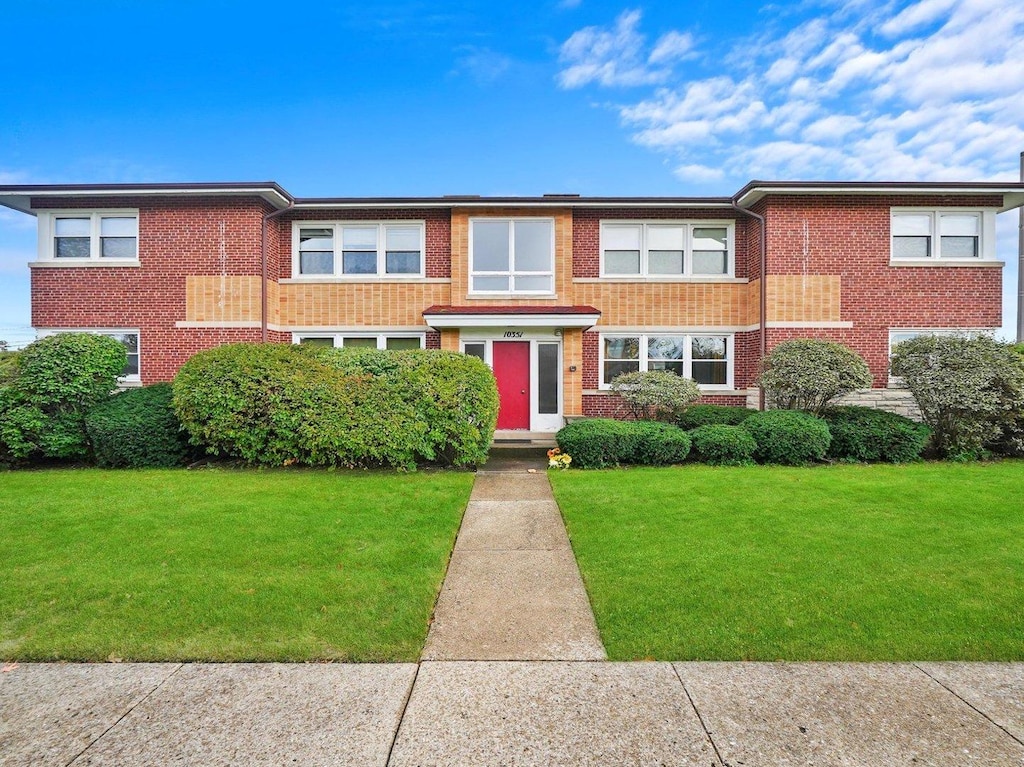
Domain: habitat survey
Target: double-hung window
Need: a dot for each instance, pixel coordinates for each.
(920, 234)
(90, 237)
(382, 250)
(667, 249)
(707, 359)
(509, 256)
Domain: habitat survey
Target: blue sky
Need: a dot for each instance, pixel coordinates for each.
(416, 98)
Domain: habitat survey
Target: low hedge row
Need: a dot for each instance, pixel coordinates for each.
(138, 429)
(787, 437)
(595, 443)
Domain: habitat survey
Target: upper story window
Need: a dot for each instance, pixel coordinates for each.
(923, 234)
(89, 236)
(705, 359)
(667, 249)
(508, 256)
(389, 249)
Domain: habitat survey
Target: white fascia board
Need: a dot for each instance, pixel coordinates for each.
(445, 204)
(757, 193)
(270, 195)
(508, 320)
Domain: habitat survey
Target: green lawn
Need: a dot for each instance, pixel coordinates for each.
(223, 565)
(919, 562)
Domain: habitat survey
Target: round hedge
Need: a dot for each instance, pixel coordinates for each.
(788, 437)
(723, 445)
(279, 404)
(867, 434)
(704, 415)
(595, 443)
(137, 428)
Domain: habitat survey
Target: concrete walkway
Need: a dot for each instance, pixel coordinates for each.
(506, 713)
(513, 590)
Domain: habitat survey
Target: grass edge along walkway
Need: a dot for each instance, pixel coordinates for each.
(217, 565)
(847, 562)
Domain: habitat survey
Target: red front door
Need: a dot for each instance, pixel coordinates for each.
(512, 370)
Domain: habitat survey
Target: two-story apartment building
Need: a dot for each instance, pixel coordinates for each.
(558, 293)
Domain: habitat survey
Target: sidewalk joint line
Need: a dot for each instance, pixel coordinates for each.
(703, 726)
(966, 702)
(137, 703)
(401, 714)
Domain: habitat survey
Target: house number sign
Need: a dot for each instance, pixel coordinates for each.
(513, 334)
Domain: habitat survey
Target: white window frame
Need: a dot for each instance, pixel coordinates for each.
(730, 355)
(125, 380)
(337, 274)
(688, 225)
(986, 235)
(48, 229)
(381, 338)
(511, 273)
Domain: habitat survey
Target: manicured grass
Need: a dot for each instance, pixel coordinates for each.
(918, 562)
(223, 565)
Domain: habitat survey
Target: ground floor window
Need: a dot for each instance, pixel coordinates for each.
(707, 359)
(128, 338)
(391, 341)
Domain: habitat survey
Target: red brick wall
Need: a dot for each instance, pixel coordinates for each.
(177, 238)
(438, 232)
(849, 236)
(586, 233)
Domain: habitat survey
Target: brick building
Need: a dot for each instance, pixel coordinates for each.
(557, 293)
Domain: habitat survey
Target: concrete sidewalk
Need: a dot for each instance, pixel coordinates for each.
(502, 713)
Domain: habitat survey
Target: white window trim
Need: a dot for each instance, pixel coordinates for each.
(126, 381)
(512, 273)
(337, 274)
(986, 237)
(47, 231)
(689, 225)
(380, 337)
(730, 355)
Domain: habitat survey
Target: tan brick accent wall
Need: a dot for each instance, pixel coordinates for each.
(563, 256)
(753, 303)
(363, 303)
(222, 299)
(666, 303)
(804, 298)
(572, 354)
(450, 339)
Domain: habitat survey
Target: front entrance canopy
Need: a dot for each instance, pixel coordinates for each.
(521, 316)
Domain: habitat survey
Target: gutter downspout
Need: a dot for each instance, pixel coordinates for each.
(263, 268)
(1020, 263)
(763, 308)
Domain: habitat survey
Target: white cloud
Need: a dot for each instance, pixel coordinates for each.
(671, 46)
(616, 57)
(483, 65)
(930, 91)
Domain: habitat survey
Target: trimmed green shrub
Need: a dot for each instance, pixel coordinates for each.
(970, 389)
(595, 443)
(867, 434)
(788, 437)
(8, 366)
(658, 444)
(704, 415)
(279, 404)
(453, 396)
(723, 445)
(807, 374)
(655, 394)
(56, 381)
(138, 428)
